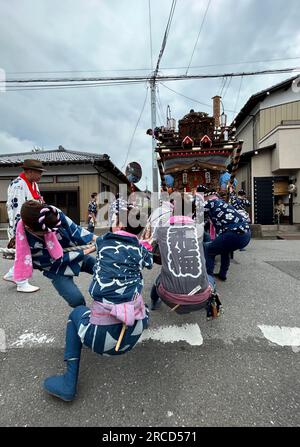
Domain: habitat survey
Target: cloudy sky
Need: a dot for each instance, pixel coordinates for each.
(71, 38)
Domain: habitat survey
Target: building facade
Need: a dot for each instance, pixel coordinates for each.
(269, 170)
(69, 180)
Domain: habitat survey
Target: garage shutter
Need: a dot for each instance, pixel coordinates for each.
(263, 200)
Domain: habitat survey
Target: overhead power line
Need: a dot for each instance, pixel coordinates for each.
(159, 115)
(153, 83)
(225, 91)
(148, 69)
(133, 134)
(164, 42)
(201, 26)
(112, 80)
(150, 32)
(187, 97)
(18, 88)
(160, 107)
(192, 99)
(223, 86)
(238, 95)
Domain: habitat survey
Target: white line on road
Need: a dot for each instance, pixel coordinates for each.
(169, 334)
(31, 339)
(2, 341)
(190, 333)
(282, 336)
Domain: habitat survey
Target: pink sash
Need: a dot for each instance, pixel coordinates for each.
(103, 314)
(23, 260)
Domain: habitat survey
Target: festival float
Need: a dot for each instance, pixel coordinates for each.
(198, 151)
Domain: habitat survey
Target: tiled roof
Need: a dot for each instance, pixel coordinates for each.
(64, 156)
(59, 155)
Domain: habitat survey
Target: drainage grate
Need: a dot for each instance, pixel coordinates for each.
(291, 268)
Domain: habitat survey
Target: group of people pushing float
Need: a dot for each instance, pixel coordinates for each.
(175, 239)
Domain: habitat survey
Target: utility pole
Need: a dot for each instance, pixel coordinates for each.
(153, 93)
(153, 125)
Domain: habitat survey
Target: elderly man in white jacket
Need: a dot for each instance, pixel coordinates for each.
(23, 188)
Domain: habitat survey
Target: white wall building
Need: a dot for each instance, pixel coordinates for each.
(269, 124)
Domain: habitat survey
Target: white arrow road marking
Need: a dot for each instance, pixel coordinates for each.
(2, 341)
(282, 336)
(169, 334)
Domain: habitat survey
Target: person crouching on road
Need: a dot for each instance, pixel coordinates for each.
(232, 231)
(41, 235)
(183, 283)
(239, 202)
(118, 305)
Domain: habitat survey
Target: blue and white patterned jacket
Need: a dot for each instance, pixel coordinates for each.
(69, 235)
(240, 204)
(118, 270)
(225, 217)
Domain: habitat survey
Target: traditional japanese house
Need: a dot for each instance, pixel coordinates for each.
(70, 178)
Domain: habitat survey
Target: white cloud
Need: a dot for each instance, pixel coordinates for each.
(10, 144)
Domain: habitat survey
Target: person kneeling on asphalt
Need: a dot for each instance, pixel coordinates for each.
(183, 283)
(41, 235)
(118, 314)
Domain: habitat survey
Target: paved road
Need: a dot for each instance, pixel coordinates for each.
(239, 370)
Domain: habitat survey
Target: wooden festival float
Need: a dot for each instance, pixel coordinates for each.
(198, 151)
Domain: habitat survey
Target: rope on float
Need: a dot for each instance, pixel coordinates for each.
(12, 251)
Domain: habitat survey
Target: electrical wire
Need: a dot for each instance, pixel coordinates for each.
(150, 31)
(228, 84)
(148, 69)
(184, 96)
(192, 99)
(160, 104)
(160, 117)
(98, 81)
(235, 63)
(66, 86)
(148, 78)
(223, 86)
(201, 26)
(165, 38)
(238, 95)
(133, 134)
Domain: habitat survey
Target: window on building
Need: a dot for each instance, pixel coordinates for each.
(47, 179)
(290, 122)
(67, 178)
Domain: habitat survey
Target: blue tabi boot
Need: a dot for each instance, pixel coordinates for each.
(64, 386)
